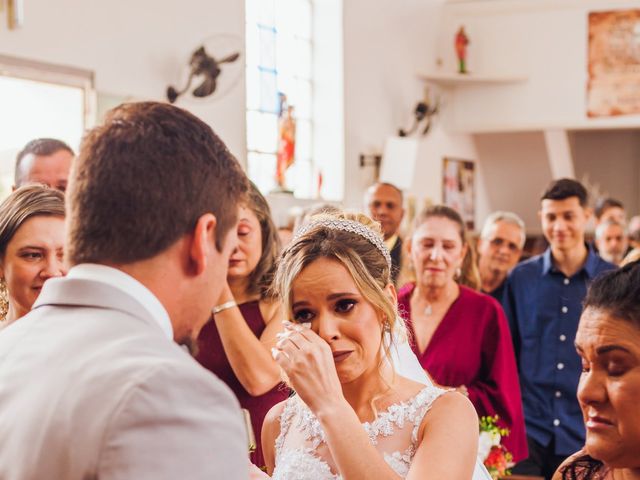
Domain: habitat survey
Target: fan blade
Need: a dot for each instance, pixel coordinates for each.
(173, 94)
(206, 88)
(231, 58)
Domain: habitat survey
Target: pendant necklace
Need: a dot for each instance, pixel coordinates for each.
(428, 310)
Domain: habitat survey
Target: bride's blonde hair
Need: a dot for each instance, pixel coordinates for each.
(365, 262)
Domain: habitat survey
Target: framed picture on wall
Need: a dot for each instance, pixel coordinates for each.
(459, 189)
(614, 63)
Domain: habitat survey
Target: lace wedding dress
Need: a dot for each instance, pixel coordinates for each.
(302, 454)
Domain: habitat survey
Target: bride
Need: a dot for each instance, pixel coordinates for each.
(355, 415)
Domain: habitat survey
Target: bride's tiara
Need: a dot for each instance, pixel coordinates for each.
(346, 226)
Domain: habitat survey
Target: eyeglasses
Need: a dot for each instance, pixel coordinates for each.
(499, 242)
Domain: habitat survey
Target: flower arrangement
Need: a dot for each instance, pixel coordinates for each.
(495, 457)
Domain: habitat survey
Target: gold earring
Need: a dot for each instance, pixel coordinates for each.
(4, 299)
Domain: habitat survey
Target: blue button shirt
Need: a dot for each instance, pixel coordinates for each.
(543, 307)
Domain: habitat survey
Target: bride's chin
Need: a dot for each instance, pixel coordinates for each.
(346, 374)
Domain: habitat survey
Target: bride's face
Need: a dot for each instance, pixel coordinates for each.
(325, 295)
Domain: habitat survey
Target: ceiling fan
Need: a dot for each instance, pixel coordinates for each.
(213, 67)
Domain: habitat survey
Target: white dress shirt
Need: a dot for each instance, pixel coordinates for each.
(126, 283)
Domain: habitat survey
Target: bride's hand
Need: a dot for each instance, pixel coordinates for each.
(308, 362)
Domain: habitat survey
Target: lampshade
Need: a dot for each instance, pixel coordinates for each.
(399, 161)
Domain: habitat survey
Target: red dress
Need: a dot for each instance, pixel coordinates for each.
(472, 346)
(211, 356)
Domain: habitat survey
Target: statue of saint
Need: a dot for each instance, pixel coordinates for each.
(461, 50)
(286, 142)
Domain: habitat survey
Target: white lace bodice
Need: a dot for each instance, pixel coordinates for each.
(302, 454)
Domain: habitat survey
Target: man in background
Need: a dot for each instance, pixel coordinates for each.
(611, 241)
(607, 209)
(634, 232)
(44, 160)
(93, 383)
(633, 235)
(543, 301)
(384, 202)
(499, 250)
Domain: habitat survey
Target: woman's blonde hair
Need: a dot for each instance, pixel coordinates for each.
(364, 261)
(469, 275)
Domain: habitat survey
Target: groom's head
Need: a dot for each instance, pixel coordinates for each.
(151, 177)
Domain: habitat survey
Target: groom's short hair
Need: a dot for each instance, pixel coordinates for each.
(143, 179)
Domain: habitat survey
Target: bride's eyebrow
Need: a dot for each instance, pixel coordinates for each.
(334, 296)
(302, 303)
(331, 296)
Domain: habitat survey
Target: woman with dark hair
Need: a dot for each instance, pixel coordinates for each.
(460, 336)
(236, 343)
(31, 247)
(608, 341)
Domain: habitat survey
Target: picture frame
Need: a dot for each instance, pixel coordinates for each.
(459, 189)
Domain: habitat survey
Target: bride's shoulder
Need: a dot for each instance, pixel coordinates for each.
(449, 409)
(272, 419)
(271, 432)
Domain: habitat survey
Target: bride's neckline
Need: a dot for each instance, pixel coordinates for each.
(389, 411)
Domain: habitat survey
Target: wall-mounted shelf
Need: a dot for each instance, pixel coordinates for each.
(458, 79)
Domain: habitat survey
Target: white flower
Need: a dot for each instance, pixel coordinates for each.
(485, 442)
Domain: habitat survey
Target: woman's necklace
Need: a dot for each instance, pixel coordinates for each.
(428, 310)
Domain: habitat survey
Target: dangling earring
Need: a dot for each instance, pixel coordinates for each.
(4, 299)
(386, 327)
(458, 273)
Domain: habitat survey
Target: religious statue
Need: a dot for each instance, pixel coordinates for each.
(461, 50)
(286, 142)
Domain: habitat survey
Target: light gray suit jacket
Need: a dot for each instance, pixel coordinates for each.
(91, 388)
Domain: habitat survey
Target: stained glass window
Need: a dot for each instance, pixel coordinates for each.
(279, 61)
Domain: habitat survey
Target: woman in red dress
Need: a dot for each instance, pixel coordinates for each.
(236, 343)
(461, 336)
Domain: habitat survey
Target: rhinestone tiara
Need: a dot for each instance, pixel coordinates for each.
(347, 226)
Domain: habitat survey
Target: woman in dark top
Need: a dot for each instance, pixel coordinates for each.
(460, 336)
(236, 343)
(608, 341)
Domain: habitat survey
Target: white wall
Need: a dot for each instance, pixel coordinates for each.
(136, 48)
(385, 43)
(544, 40)
(516, 171)
(609, 163)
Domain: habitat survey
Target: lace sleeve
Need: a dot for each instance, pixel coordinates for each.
(286, 418)
(421, 406)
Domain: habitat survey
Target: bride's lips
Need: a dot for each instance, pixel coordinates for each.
(341, 355)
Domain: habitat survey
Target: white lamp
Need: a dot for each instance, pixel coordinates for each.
(399, 161)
